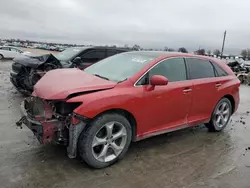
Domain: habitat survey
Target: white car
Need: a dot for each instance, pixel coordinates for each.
(11, 52)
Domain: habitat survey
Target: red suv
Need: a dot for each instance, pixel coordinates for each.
(129, 97)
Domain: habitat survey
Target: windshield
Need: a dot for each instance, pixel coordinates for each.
(67, 54)
(119, 67)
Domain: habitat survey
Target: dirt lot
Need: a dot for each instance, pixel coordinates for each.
(191, 158)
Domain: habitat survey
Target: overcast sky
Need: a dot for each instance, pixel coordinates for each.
(149, 23)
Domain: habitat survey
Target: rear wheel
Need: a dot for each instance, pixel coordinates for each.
(105, 141)
(221, 116)
(1, 57)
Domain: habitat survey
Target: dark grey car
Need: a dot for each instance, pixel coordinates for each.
(27, 70)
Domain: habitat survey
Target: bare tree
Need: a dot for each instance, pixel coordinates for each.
(244, 53)
(136, 47)
(209, 52)
(126, 46)
(217, 52)
(248, 53)
(183, 50)
(166, 48)
(171, 50)
(201, 52)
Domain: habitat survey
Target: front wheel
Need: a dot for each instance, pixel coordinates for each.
(105, 141)
(1, 57)
(221, 116)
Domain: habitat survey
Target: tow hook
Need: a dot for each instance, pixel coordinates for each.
(20, 122)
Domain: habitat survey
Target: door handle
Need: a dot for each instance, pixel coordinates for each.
(188, 90)
(217, 85)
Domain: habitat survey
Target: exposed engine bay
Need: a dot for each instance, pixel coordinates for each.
(48, 120)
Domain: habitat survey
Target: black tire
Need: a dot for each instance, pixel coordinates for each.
(1, 57)
(87, 136)
(212, 126)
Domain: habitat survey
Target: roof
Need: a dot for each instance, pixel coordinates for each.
(99, 47)
(156, 54)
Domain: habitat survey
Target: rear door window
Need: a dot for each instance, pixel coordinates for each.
(6, 48)
(120, 51)
(93, 56)
(13, 50)
(199, 68)
(111, 52)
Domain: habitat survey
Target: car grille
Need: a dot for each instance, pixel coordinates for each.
(16, 67)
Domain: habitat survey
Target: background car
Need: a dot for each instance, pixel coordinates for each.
(129, 97)
(11, 52)
(26, 71)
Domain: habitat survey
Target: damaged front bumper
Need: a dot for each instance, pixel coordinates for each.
(44, 130)
(49, 130)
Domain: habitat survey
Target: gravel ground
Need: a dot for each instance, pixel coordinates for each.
(190, 158)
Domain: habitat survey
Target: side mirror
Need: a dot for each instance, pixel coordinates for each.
(158, 80)
(77, 60)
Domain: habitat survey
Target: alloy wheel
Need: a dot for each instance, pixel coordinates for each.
(109, 141)
(222, 115)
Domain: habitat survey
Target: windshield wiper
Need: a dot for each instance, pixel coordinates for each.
(101, 76)
(122, 81)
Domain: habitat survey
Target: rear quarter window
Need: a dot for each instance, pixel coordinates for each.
(219, 71)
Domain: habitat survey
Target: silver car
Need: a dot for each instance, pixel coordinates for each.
(11, 52)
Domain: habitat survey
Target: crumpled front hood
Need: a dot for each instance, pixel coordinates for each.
(34, 61)
(60, 83)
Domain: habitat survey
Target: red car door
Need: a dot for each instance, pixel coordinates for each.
(166, 107)
(205, 89)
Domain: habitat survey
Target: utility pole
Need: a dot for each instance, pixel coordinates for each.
(224, 38)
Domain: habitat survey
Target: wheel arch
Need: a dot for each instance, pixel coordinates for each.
(231, 99)
(128, 115)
